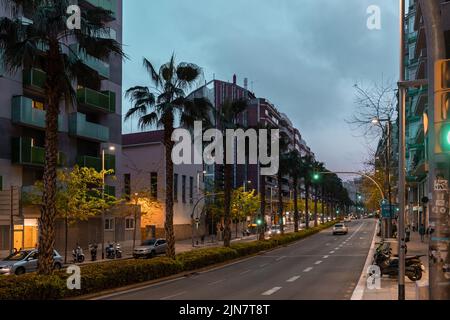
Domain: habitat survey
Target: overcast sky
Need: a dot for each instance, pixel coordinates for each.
(302, 55)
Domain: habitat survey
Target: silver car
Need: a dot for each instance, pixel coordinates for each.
(150, 248)
(25, 261)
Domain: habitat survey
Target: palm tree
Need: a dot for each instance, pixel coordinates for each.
(294, 163)
(282, 171)
(43, 44)
(159, 105)
(307, 164)
(227, 119)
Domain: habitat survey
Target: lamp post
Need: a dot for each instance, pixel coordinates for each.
(376, 121)
(198, 181)
(110, 148)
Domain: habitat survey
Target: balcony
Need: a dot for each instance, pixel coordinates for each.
(23, 113)
(79, 127)
(96, 163)
(101, 67)
(421, 101)
(97, 100)
(110, 5)
(25, 153)
(34, 79)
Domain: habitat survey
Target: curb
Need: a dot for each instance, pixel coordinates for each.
(361, 286)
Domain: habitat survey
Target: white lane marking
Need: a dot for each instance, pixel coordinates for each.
(216, 282)
(332, 252)
(308, 269)
(280, 258)
(318, 262)
(245, 272)
(325, 257)
(271, 291)
(293, 279)
(173, 296)
(263, 265)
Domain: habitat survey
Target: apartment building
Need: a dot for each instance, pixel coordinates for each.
(143, 172)
(95, 126)
(417, 107)
(260, 112)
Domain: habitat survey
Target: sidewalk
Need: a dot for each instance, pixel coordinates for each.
(389, 286)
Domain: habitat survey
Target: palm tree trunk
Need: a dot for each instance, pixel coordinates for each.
(315, 206)
(135, 226)
(280, 202)
(323, 204)
(227, 205)
(307, 205)
(295, 182)
(168, 225)
(262, 194)
(48, 208)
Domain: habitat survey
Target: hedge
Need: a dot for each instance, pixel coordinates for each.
(115, 274)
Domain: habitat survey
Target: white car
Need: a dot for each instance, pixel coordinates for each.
(275, 229)
(347, 219)
(340, 228)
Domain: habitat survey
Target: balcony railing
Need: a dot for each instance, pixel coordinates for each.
(25, 153)
(96, 64)
(104, 100)
(23, 112)
(34, 78)
(96, 163)
(79, 127)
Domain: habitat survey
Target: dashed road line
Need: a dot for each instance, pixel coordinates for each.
(318, 262)
(308, 269)
(173, 296)
(325, 257)
(293, 279)
(242, 273)
(216, 282)
(271, 291)
(280, 258)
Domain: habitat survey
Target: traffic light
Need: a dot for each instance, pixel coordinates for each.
(316, 176)
(442, 106)
(259, 222)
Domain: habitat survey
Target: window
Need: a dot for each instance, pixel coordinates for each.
(183, 189)
(38, 105)
(154, 185)
(175, 187)
(127, 186)
(129, 223)
(191, 189)
(109, 224)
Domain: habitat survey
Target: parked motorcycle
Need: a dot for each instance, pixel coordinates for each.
(78, 255)
(93, 250)
(389, 266)
(113, 251)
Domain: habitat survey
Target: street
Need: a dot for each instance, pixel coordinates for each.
(323, 266)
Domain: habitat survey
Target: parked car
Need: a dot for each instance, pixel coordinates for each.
(275, 229)
(25, 261)
(340, 228)
(150, 248)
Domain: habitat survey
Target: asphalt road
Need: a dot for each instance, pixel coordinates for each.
(320, 267)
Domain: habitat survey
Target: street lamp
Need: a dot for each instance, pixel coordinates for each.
(244, 185)
(112, 149)
(377, 121)
(198, 181)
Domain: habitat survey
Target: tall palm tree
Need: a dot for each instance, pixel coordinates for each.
(159, 105)
(227, 119)
(318, 167)
(294, 163)
(307, 166)
(44, 44)
(282, 171)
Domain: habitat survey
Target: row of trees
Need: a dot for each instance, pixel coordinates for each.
(43, 44)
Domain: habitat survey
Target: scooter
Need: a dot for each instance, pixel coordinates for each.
(113, 251)
(388, 266)
(93, 251)
(78, 255)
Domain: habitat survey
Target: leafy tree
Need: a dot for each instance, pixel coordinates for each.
(43, 44)
(244, 204)
(78, 196)
(294, 163)
(158, 105)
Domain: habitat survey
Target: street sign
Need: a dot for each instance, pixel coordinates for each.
(388, 211)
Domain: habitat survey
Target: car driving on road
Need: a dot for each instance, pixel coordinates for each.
(150, 248)
(274, 229)
(340, 228)
(25, 261)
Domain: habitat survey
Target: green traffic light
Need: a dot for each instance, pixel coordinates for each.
(316, 176)
(445, 137)
(259, 222)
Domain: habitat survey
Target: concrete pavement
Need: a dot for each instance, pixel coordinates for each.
(319, 267)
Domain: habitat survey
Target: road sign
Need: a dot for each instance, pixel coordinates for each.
(388, 211)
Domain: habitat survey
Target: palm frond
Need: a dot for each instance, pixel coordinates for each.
(152, 71)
